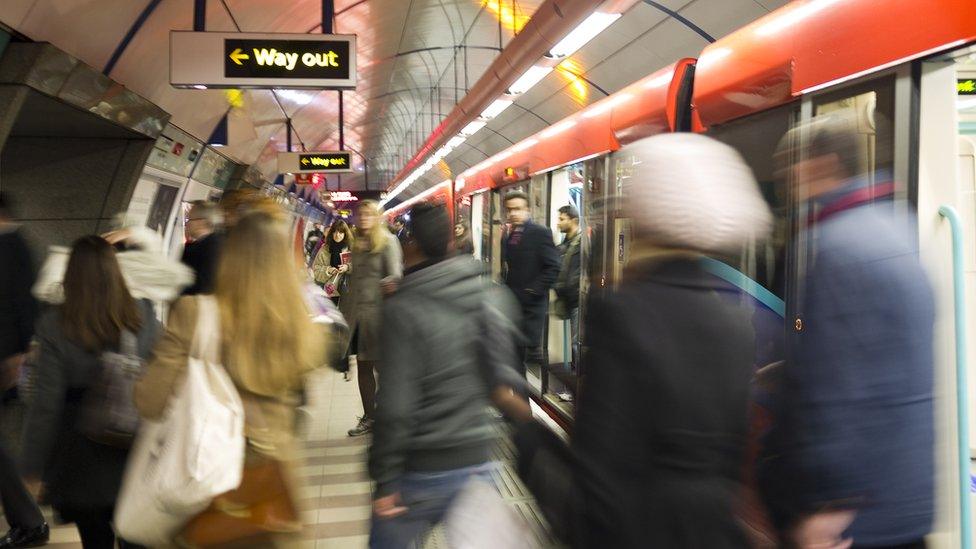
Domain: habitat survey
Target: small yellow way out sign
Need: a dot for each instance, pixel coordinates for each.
(260, 60)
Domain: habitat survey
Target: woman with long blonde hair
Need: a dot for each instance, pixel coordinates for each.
(268, 340)
(375, 270)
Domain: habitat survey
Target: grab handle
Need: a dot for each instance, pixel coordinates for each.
(962, 388)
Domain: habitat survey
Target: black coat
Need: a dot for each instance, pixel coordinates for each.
(78, 474)
(17, 307)
(202, 256)
(662, 423)
(531, 268)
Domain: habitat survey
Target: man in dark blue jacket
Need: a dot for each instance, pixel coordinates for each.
(850, 457)
(530, 264)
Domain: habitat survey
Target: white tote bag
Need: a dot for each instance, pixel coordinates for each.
(194, 453)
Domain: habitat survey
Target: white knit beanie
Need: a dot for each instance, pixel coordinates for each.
(689, 191)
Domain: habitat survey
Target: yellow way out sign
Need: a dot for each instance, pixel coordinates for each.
(246, 60)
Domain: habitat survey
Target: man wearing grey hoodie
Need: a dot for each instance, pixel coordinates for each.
(448, 351)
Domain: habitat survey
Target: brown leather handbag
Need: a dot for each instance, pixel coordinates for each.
(249, 516)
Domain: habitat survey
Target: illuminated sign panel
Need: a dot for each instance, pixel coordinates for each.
(287, 59)
(262, 60)
(966, 86)
(320, 162)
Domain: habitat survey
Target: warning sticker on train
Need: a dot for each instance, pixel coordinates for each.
(259, 60)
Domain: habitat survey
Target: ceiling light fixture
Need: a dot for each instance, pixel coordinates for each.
(531, 77)
(473, 127)
(496, 108)
(586, 31)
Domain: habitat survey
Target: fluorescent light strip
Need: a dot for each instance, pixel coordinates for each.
(531, 77)
(586, 31)
(496, 108)
(473, 127)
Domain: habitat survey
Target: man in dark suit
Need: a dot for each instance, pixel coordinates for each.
(530, 267)
(202, 253)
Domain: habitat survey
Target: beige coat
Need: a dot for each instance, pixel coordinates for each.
(362, 303)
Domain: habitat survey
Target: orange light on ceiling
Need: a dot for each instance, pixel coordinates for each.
(445, 169)
(571, 71)
(512, 17)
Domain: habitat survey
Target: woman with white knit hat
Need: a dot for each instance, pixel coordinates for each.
(662, 422)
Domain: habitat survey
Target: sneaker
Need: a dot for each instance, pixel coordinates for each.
(364, 426)
(24, 537)
(565, 396)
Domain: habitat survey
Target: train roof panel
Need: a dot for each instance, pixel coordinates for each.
(644, 108)
(810, 44)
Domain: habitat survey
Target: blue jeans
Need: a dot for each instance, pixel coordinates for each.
(427, 497)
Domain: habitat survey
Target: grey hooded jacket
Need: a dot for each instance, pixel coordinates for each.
(449, 337)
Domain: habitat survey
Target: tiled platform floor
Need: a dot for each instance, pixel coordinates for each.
(336, 492)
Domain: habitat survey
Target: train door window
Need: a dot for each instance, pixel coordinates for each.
(865, 112)
(765, 141)
(476, 223)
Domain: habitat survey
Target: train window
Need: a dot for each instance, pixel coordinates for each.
(758, 138)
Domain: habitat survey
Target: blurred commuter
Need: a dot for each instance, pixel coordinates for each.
(531, 265)
(204, 249)
(328, 267)
(17, 315)
(447, 350)
(81, 477)
(397, 227)
(374, 271)
(850, 457)
(462, 238)
(147, 272)
(313, 240)
(568, 283)
(662, 425)
(269, 345)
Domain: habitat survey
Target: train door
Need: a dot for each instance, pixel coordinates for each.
(560, 379)
(480, 229)
(946, 172)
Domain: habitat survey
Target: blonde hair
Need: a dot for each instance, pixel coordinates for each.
(379, 234)
(268, 333)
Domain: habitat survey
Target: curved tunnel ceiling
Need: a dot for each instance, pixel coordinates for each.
(417, 58)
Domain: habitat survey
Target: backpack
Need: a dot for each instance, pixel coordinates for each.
(108, 413)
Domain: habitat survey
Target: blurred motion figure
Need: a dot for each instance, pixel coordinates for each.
(850, 457)
(374, 271)
(203, 252)
(82, 477)
(17, 314)
(662, 425)
(447, 350)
